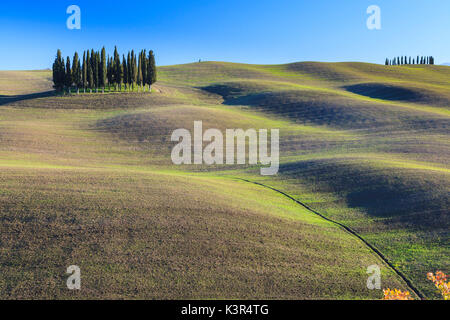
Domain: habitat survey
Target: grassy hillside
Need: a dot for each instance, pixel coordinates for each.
(88, 180)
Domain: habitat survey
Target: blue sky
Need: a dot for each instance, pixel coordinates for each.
(249, 31)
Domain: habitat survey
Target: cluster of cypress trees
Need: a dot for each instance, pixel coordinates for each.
(398, 61)
(98, 71)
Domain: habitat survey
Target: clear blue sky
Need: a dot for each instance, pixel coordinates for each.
(250, 31)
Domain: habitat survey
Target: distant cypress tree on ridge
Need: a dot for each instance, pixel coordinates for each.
(404, 60)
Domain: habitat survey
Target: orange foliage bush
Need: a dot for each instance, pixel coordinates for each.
(439, 279)
(440, 282)
(396, 294)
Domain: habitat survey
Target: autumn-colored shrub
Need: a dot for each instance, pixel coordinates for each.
(396, 294)
(440, 281)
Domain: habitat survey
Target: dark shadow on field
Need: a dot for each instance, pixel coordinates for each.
(391, 92)
(386, 92)
(414, 198)
(301, 106)
(17, 98)
(311, 107)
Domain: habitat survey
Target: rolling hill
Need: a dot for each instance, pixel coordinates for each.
(88, 180)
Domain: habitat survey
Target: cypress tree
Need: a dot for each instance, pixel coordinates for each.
(139, 71)
(58, 71)
(133, 68)
(98, 69)
(89, 74)
(116, 68)
(76, 71)
(120, 74)
(55, 70)
(103, 69)
(129, 71)
(125, 71)
(109, 73)
(144, 68)
(95, 63)
(151, 73)
(91, 77)
(68, 75)
(84, 71)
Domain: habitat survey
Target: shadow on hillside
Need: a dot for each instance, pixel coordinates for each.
(416, 198)
(302, 106)
(17, 98)
(386, 92)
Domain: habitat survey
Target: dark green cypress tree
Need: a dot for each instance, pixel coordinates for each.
(92, 69)
(120, 74)
(133, 69)
(125, 71)
(55, 70)
(99, 70)
(129, 71)
(58, 71)
(91, 77)
(89, 74)
(151, 73)
(110, 73)
(144, 68)
(139, 71)
(95, 64)
(84, 72)
(76, 71)
(116, 68)
(103, 69)
(68, 75)
(108, 70)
